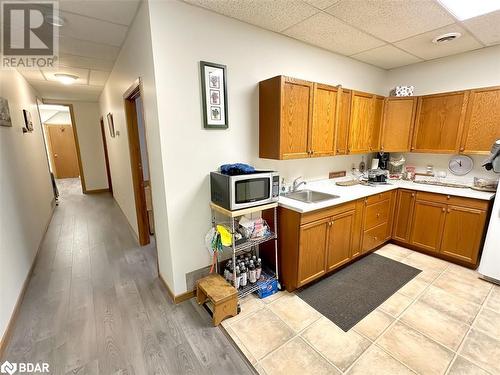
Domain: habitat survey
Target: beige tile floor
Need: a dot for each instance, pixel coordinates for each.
(445, 321)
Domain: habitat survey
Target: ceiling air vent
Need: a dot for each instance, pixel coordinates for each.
(446, 38)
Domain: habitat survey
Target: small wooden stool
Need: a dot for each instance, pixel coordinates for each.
(223, 296)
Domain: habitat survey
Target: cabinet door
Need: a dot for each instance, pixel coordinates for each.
(342, 128)
(340, 234)
(463, 232)
(296, 117)
(403, 215)
(397, 124)
(324, 117)
(360, 122)
(439, 124)
(312, 250)
(482, 121)
(375, 126)
(427, 225)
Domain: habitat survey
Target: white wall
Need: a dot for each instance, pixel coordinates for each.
(90, 141)
(60, 118)
(182, 35)
(25, 192)
(136, 60)
(465, 71)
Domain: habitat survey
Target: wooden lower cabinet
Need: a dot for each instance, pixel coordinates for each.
(312, 250)
(403, 214)
(463, 233)
(340, 236)
(427, 225)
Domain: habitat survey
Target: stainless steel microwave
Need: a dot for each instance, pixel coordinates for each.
(242, 191)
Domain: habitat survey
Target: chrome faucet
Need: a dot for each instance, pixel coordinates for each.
(296, 184)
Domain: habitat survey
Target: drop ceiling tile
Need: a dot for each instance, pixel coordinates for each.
(82, 74)
(31, 75)
(85, 62)
(422, 46)
(392, 20)
(85, 28)
(98, 77)
(276, 15)
(486, 27)
(322, 4)
(73, 46)
(328, 32)
(386, 57)
(117, 11)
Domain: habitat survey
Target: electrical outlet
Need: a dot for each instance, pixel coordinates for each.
(337, 174)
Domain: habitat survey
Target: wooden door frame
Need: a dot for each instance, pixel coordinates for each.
(129, 97)
(75, 136)
(106, 156)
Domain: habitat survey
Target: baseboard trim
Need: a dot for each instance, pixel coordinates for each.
(177, 298)
(10, 326)
(97, 191)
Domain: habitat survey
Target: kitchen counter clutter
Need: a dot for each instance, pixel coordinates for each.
(318, 238)
(352, 193)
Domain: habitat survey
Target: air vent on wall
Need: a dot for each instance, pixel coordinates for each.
(446, 38)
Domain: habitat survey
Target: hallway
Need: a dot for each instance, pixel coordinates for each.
(95, 305)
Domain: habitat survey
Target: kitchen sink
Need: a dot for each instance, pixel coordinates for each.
(310, 196)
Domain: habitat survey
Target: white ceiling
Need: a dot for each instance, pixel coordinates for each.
(89, 44)
(384, 33)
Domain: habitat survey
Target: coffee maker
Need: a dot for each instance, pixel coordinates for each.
(383, 160)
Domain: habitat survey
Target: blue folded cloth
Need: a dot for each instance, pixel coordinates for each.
(236, 169)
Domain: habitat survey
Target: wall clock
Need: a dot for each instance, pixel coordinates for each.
(460, 165)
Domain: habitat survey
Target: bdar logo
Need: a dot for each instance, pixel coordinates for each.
(8, 368)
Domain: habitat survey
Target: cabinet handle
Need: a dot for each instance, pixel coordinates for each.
(375, 238)
(462, 148)
(378, 215)
(444, 209)
(449, 210)
(413, 195)
(448, 197)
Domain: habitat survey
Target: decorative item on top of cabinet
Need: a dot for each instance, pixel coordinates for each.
(397, 124)
(365, 120)
(439, 122)
(482, 121)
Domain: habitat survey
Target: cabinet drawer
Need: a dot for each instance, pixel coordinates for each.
(374, 237)
(378, 198)
(454, 200)
(376, 214)
(309, 217)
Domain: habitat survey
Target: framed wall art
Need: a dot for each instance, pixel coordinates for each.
(214, 95)
(5, 119)
(28, 121)
(111, 124)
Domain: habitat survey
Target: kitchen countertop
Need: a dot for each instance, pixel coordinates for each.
(351, 193)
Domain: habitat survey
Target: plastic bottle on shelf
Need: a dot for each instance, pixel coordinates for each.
(226, 269)
(258, 268)
(243, 276)
(252, 273)
(229, 277)
(237, 279)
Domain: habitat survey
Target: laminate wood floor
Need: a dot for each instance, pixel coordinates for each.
(95, 305)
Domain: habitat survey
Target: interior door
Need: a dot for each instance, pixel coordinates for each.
(427, 225)
(63, 151)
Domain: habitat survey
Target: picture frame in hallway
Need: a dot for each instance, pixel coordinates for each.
(5, 119)
(214, 95)
(111, 125)
(28, 121)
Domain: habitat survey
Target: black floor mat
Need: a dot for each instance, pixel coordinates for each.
(350, 294)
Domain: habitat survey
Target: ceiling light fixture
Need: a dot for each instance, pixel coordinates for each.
(66, 79)
(55, 20)
(465, 9)
(446, 38)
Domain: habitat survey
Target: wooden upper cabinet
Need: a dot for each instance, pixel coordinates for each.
(285, 117)
(397, 124)
(325, 108)
(463, 232)
(365, 120)
(312, 250)
(375, 126)
(427, 225)
(342, 128)
(439, 123)
(482, 121)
